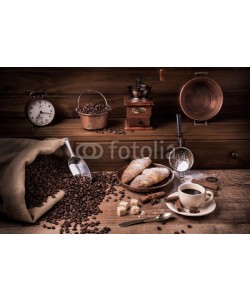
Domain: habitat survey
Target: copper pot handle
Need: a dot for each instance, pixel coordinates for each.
(91, 92)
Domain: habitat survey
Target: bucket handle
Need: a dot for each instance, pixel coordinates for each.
(88, 92)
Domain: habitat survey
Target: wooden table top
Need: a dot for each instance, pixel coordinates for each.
(232, 213)
(227, 129)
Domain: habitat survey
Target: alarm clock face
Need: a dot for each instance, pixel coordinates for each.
(41, 112)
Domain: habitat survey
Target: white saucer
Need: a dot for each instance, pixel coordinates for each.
(205, 209)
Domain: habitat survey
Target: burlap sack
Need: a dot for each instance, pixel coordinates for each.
(15, 154)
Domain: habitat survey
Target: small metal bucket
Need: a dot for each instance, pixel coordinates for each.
(90, 121)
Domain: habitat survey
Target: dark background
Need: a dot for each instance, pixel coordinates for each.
(63, 85)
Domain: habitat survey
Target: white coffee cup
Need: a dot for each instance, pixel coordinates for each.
(193, 195)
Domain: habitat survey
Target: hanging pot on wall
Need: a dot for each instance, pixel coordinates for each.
(201, 98)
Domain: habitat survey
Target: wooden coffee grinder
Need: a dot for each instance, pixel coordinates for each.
(138, 106)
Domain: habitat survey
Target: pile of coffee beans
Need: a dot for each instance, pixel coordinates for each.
(94, 109)
(111, 130)
(43, 179)
(49, 174)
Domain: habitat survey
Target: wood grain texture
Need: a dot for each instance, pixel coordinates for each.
(233, 129)
(217, 145)
(63, 86)
(231, 216)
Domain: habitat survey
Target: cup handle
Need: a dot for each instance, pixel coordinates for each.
(209, 196)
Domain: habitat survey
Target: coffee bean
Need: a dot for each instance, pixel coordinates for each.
(111, 130)
(94, 109)
(183, 231)
(159, 228)
(176, 232)
(189, 226)
(49, 174)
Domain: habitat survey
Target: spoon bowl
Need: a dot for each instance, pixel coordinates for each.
(181, 159)
(163, 217)
(77, 165)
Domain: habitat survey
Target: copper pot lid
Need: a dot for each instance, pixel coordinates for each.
(201, 98)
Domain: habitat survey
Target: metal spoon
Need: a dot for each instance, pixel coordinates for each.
(158, 218)
(181, 158)
(77, 165)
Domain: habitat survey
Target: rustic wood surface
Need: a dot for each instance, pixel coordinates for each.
(221, 144)
(231, 216)
(64, 85)
(232, 129)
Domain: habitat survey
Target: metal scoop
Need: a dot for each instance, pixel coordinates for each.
(158, 218)
(181, 158)
(77, 165)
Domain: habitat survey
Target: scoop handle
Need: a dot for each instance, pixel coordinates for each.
(67, 144)
(178, 121)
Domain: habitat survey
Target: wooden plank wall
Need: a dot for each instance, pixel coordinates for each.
(63, 86)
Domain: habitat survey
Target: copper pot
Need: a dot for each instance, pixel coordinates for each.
(90, 121)
(201, 98)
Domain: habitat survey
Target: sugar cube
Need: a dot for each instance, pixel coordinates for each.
(134, 210)
(135, 202)
(125, 204)
(121, 211)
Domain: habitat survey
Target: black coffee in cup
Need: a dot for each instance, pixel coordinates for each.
(191, 191)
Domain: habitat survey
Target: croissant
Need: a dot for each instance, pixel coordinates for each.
(135, 168)
(150, 177)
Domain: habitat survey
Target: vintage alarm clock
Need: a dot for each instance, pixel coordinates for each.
(40, 111)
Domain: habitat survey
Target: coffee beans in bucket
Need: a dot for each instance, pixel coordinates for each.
(49, 174)
(94, 109)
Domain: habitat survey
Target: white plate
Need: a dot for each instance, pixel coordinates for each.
(204, 209)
